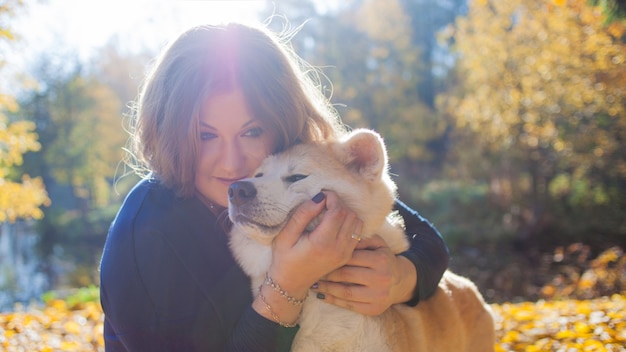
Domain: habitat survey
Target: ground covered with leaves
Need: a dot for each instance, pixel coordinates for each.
(58, 326)
(564, 325)
(576, 301)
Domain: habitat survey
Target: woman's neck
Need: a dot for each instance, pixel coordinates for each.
(215, 208)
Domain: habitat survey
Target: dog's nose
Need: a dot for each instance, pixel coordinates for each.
(240, 192)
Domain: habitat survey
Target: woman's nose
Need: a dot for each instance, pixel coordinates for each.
(232, 157)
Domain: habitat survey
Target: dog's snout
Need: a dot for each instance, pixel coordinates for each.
(240, 192)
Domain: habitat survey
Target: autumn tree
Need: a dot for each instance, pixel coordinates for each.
(79, 121)
(543, 93)
(365, 49)
(427, 18)
(20, 195)
(80, 124)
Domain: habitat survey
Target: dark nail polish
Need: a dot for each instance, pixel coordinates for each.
(320, 296)
(315, 286)
(319, 197)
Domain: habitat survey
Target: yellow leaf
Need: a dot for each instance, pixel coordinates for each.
(581, 328)
(565, 334)
(70, 346)
(511, 336)
(72, 327)
(616, 29)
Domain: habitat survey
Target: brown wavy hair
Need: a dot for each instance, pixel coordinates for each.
(279, 88)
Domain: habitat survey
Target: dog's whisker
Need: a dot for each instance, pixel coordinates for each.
(224, 221)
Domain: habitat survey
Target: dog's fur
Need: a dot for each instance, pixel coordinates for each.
(455, 318)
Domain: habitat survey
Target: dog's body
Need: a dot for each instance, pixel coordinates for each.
(456, 318)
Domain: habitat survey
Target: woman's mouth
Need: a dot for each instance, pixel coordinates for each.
(228, 181)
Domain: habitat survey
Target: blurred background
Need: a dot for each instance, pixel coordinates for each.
(505, 123)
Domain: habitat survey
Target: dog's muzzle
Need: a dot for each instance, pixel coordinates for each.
(241, 192)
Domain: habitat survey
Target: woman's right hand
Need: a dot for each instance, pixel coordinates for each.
(299, 258)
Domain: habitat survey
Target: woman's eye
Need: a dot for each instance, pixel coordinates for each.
(295, 178)
(260, 174)
(205, 136)
(254, 132)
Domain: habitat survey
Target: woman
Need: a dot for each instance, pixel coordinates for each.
(218, 101)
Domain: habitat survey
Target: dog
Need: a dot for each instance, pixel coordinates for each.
(456, 318)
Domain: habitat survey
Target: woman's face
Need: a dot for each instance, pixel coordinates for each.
(232, 145)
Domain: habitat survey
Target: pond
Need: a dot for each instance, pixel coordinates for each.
(23, 275)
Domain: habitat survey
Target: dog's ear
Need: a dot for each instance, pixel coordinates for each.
(363, 152)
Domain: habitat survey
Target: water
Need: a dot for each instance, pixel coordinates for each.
(22, 279)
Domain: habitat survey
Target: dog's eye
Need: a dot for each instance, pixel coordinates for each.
(260, 174)
(295, 178)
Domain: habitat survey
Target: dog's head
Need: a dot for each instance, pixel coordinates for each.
(355, 168)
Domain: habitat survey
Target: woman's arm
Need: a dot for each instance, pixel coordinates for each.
(261, 334)
(428, 252)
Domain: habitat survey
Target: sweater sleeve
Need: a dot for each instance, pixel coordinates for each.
(260, 334)
(427, 251)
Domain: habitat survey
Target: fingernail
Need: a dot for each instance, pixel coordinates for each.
(321, 296)
(315, 286)
(319, 197)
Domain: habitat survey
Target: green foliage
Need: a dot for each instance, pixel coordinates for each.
(84, 295)
(75, 297)
(577, 192)
(614, 9)
(89, 137)
(462, 211)
(80, 123)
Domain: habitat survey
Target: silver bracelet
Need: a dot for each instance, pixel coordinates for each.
(274, 315)
(276, 287)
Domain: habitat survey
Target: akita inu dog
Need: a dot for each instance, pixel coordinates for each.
(455, 318)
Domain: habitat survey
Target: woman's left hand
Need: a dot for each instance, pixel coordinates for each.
(373, 279)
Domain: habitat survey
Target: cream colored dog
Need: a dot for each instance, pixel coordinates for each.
(455, 319)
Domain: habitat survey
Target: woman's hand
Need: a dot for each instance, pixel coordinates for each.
(300, 258)
(372, 280)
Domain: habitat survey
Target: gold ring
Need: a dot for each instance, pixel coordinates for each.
(356, 237)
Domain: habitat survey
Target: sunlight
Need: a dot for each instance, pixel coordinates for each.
(221, 11)
(56, 28)
(135, 25)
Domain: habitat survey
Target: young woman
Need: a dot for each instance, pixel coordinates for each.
(219, 100)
